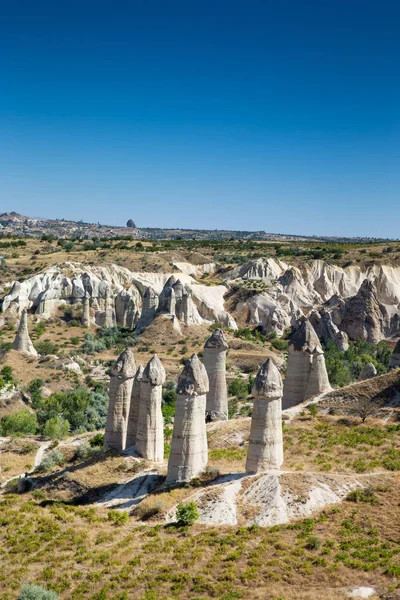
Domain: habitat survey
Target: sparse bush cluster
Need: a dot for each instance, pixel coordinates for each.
(106, 338)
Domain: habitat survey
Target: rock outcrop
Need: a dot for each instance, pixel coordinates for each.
(150, 430)
(215, 350)
(302, 380)
(325, 328)
(364, 317)
(266, 440)
(367, 372)
(150, 305)
(121, 382)
(133, 419)
(189, 450)
(22, 342)
(395, 358)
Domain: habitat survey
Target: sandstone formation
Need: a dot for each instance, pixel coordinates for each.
(22, 342)
(150, 305)
(395, 358)
(86, 312)
(189, 450)
(121, 382)
(364, 317)
(306, 374)
(150, 429)
(367, 372)
(215, 350)
(266, 441)
(325, 328)
(134, 408)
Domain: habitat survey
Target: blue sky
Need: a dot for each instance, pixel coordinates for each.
(282, 116)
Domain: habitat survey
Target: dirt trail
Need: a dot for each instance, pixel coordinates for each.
(38, 459)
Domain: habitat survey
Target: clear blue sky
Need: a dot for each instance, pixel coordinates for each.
(275, 115)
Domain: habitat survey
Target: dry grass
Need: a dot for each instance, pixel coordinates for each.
(82, 554)
(16, 457)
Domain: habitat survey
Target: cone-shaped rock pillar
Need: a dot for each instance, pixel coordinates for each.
(22, 342)
(164, 301)
(86, 312)
(189, 450)
(149, 309)
(121, 382)
(318, 382)
(150, 430)
(266, 440)
(215, 350)
(304, 347)
(395, 358)
(134, 408)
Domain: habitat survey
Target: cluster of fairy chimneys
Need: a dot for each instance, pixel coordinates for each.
(135, 416)
(175, 299)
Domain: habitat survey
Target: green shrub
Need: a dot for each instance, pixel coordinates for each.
(279, 344)
(239, 388)
(118, 517)
(85, 451)
(22, 422)
(35, 390)
(7, 374)
(56, 428)
(36, 592)
(168, 402)
(46, 347)
(97, 440)
(54, 459)
(84, 410)
(40, 328)
(187, 514)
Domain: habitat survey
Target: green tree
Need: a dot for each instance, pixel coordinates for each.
(56, 428)
(22, 422)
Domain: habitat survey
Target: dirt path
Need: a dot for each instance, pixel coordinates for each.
(38, 459)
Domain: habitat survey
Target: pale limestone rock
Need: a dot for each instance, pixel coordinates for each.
(109, 314)
(164, 304)
(134, 408)
(318, 382)
(86, 312)
(22, 342)
(178, 289)
(121, 382)
(367, 372)
(187, 306)
(215, 350)
(266, 441)
(189, 450)
(150, 430)
(395, 358)
(149, 309)
(302, 381)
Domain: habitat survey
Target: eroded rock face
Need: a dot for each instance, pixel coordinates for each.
(266, 441)
(363, 317)
(306, 374)
(215, 350)
(150, 305)
(322, 322)
(121, 382)
(189, 449)
(150, 430)
(22, 342)
(133, 419)
(395, 358)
